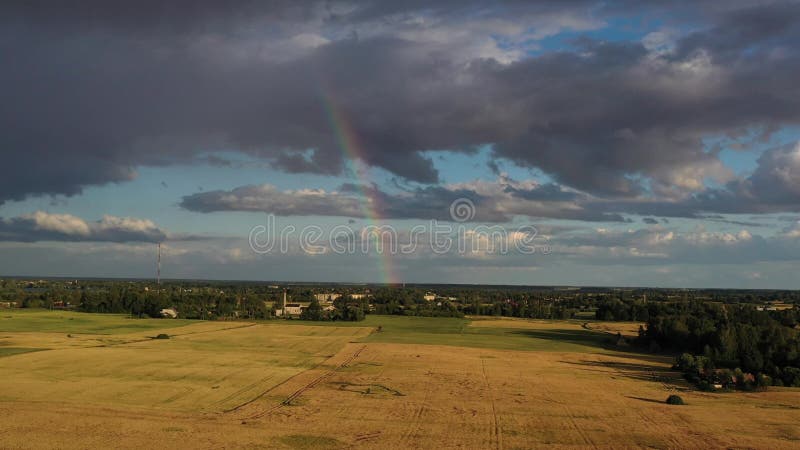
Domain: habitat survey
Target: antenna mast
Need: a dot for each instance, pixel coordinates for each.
(158, 266)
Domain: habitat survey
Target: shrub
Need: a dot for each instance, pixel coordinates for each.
(704, 385)
(675, 400)
(684, 362)
(791, 376)
(162, 336)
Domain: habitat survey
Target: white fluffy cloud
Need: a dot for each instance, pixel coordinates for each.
(43, 226)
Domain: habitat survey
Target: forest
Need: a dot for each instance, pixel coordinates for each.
(728, 344)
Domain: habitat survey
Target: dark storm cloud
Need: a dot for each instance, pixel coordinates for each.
(493, 167)
(424, 203)
(489, 203)
(773, 187)
(92, 90)
(170, 16)
(545, 192)
(749, 27)
(744, 223)
(268, 198)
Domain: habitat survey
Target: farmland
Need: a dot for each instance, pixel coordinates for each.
(102, 380)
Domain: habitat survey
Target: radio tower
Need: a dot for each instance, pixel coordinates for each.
(158, 267)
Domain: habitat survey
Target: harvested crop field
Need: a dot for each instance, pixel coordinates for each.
(627, 329)
(300, 386)
(202, 367)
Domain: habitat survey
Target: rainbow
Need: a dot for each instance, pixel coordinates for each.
(348, 142)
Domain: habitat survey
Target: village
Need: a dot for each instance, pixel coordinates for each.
(329, 301)
(211, 300)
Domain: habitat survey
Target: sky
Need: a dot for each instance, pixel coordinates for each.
(579, 142)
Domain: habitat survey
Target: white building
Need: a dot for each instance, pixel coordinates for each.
(169, 313)
(293, 309)
(327, 297)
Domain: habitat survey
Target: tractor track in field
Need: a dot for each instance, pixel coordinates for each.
(246, 325)
(135, 341)
(420, 410)
(147, 339)
(415, 423)
(570, 416)
(296, 394)
(240, 391)
(495, 418)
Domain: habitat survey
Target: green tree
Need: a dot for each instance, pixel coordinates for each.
(313, 312)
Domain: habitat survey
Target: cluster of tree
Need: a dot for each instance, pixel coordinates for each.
(419, 308)
(343, 310)
(630, 308)
(457, 302)
(623, 310)
(526, 307)
(726, 336)
(192, 303)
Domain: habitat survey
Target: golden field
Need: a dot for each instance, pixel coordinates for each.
(419, 383)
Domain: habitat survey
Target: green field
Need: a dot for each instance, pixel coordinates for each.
(508, 334)
(22, 320)
(11, 351)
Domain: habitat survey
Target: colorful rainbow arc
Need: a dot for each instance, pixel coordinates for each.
(348, 141)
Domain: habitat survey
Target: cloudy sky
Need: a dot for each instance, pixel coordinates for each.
(650, 143)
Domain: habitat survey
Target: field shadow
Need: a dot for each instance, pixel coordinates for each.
(370, 389)
(11, 351)
(594, 339)
(642, 371)
(643, 399)
(578, 337)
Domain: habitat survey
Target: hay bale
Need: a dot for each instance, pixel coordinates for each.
(675, 400)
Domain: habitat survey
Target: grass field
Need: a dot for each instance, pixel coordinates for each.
(496, 333)
(102, 381)
(12, 320)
